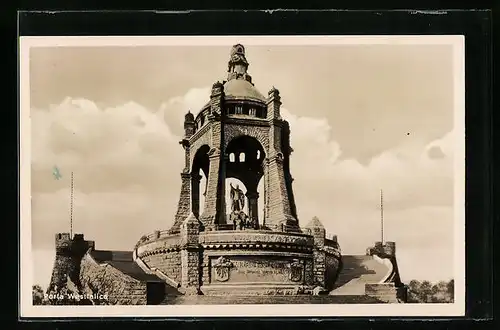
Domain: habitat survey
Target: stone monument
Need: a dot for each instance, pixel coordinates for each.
(239, 134)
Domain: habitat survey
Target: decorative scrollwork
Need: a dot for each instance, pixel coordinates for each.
(222, 268)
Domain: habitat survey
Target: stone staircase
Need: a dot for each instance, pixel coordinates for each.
(280, 299)
(357, 271)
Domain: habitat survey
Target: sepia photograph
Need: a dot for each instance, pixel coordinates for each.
(242, 176)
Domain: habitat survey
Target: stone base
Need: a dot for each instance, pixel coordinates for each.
(385, 292)
(254, 290)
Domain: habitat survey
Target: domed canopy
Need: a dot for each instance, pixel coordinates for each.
(240, 89)
(239, 86)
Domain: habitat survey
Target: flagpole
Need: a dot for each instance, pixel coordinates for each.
(71, 208)
(382, 215)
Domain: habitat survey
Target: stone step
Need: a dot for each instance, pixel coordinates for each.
(357, 271)
(282, 299)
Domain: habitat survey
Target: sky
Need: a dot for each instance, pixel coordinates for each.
(362, 117)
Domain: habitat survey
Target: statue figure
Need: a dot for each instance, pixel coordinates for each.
(239, 220)
(237, 199)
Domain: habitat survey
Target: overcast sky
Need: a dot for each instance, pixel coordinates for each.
(363, 118)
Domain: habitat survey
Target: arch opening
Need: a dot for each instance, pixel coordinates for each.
(245, 171)
(199, 175)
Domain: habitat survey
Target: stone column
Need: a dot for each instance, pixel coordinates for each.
(195, 194)
(183, 206)
(190, 255)
(278, 211)
(315, 227)
(214, 193)
(253, 207)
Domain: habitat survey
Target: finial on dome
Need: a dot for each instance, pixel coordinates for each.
(238, 65)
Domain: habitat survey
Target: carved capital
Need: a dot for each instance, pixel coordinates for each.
(278, 157)
(184, 143)
(195, 177)
(252, 195)
(214, 152)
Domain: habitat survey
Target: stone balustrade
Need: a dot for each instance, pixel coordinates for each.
(257, 238)
(161, 242)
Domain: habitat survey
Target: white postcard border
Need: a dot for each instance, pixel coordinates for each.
(317, 310)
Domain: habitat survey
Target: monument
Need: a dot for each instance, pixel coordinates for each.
(238, 134)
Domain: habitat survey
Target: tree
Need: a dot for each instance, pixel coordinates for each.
(427, 292)
(450, 290)
(38, 295)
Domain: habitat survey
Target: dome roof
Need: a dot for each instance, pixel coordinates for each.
(240, 89)
(189, 117)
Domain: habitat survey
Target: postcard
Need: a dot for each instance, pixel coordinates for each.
(242, 176)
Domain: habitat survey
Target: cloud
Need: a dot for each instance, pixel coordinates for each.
(175, 108)
(345, 195)
(127, 159)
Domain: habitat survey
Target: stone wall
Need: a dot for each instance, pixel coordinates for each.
(64, 266)
(332, 270)
(163, 254)
(169, 263)
(113, 286)
(257, 269)
(385, 292)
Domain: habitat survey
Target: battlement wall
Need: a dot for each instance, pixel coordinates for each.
(390, 288)
(69, 252)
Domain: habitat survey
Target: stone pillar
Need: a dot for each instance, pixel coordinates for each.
(190, 255)
(253, 207)
(213, 212)
(205, 272)
(278, 209)
(183, 206)
(195, 194)
(274, 104)
(214, 197)
(315, 227)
